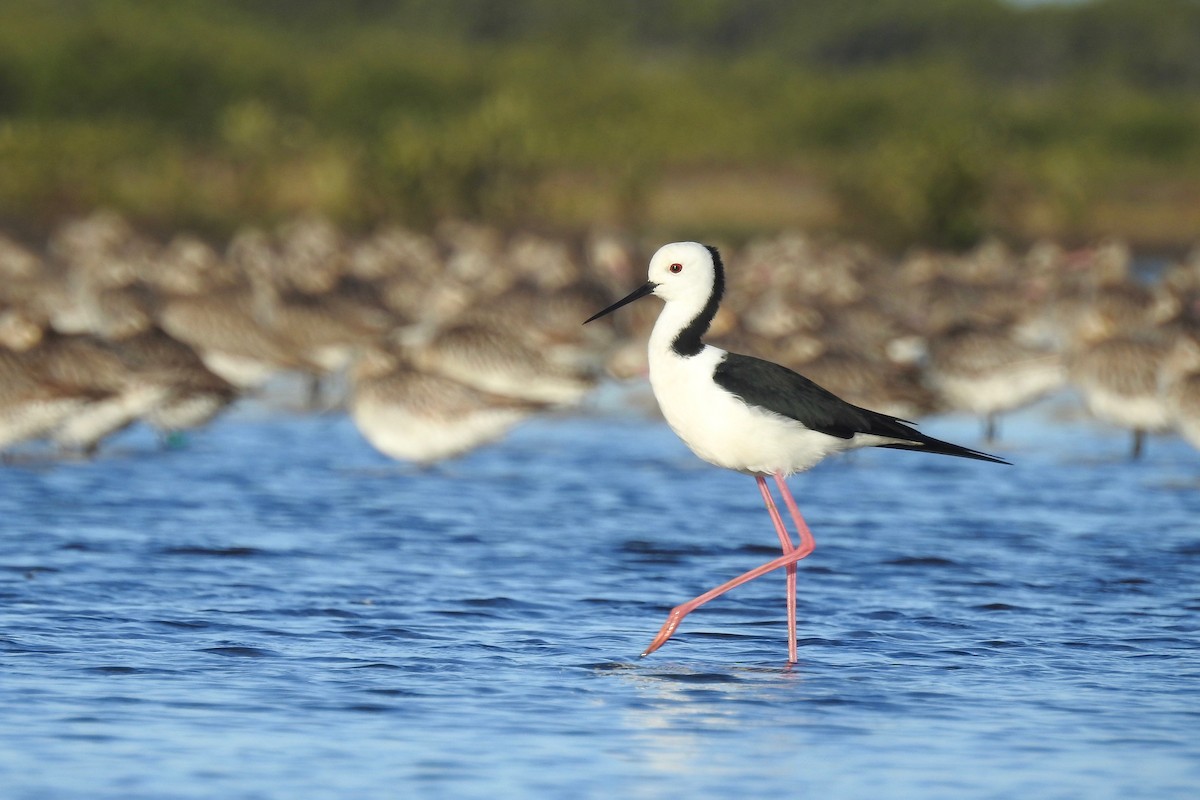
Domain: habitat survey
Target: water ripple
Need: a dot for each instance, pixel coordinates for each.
(307, 620)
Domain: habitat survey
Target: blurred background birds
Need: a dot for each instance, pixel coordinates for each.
(437, 343)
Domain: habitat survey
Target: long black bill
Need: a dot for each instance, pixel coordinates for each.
(638, 293)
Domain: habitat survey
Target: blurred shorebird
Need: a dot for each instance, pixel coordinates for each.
(749, 415)
(984, 371)
(1120, 381)
(1183, 400)
(29, 406)
(495, 361)
(412, 415)
(81, 365)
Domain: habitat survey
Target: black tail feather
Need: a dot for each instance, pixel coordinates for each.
(927, 444)
(913, 439)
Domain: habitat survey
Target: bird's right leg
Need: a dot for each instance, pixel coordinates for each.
(785, 540)
(807, 542)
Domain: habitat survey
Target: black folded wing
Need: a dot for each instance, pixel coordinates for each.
(777, 389)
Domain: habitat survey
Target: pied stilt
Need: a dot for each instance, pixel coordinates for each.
(747, 414)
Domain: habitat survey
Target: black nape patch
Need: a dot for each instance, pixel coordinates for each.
(688, 343)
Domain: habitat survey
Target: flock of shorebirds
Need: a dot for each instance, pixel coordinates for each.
(447, 340)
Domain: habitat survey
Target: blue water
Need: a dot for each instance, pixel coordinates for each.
(275, 611)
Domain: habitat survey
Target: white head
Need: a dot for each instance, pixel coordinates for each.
(691, 279)
(686, 272)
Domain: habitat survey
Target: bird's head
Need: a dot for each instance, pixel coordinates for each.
(687, 271)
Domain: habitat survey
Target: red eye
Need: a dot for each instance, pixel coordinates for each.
(676, 268)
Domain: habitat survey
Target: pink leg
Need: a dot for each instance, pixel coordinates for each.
(807, 543)
(785, 540)
(787, 559)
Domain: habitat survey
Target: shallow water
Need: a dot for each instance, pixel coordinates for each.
(274, 610)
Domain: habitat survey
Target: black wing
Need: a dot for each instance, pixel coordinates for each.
(778, 389)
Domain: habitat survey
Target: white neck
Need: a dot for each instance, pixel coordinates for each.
(676, 315)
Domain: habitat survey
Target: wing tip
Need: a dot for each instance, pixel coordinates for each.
(938, 447)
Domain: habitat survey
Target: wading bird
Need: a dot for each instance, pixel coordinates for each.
(747, 414)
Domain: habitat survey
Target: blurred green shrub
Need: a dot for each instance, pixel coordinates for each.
(935, 121)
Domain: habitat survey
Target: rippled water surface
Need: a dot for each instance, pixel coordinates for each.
(274, 610)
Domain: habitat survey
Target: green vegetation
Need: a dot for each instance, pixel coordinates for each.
(900, 120)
